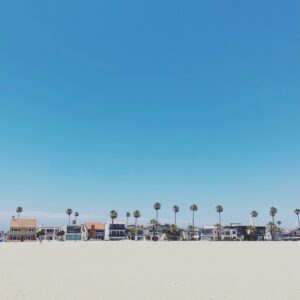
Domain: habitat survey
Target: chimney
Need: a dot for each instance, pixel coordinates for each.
(93, 231)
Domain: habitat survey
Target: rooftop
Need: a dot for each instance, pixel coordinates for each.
(23, 223)
(98, 226)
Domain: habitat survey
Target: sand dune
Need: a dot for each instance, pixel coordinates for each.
(148, 270)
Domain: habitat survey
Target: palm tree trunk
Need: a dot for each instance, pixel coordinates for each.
(18, 215)
(299, 220)
(69, 219)
(127, 222)
(135, 228)
(193, 226)
(175, 218)
(273, 218)
(156, 225)
(219, 229)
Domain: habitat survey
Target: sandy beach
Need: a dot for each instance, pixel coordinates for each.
(149, 270)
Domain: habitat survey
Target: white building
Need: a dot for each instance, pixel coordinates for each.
(230, 234)
(115, 231)
(209, 233)
(50, 232)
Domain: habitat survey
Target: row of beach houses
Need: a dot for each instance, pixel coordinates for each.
(23, 229)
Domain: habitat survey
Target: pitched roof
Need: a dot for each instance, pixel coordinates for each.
(25, 223)
(98, 226)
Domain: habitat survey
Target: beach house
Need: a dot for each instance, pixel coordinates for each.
(295, 234)
(72, 232)
(230, 234)
(50, 232)
(93, 231)
(159, 231)
(115, 231)
(138, 233)
(209, 233)
(22, 230)
(244, 233)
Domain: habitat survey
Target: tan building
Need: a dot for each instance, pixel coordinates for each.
(22, 230)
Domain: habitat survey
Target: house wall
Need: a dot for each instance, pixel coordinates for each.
(18, 234)
(73, 232)
(116, 231)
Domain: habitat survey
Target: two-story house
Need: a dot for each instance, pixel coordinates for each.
(115, 231)
(93, 231)
(22, 230)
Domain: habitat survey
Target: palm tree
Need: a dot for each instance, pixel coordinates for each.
(136, 215)
(251, 231)
(219, 209)
(127, 217)
(278, 223)
(76, 214)
(219, 229)
(273, 212)
(271, 228)
(157, 207)
(40, 234)
(69, 212)
(60, 235)
(254, 215)
(297, 212)
(154, 224)
(19, 210)
(191, 231)
(173, 230)
(113, 215)
(131, 233)
(176, 210)
(193, 208)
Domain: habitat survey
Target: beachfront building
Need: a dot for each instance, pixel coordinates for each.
(50, 232)
(279, 236)
(295, 234)
(22, 230)
(138, 233)
(160, 231)
(115, 231)
(72, 232)
(193, 233)
(243, 232)
(2, 236)
(175, 234)
(230, 234)
(93, 231)
(209, 233)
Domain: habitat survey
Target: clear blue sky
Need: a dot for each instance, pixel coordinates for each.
(118, 104)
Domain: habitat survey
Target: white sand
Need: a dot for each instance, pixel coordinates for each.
(150, 270)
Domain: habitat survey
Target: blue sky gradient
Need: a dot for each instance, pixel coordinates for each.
(118, 104)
